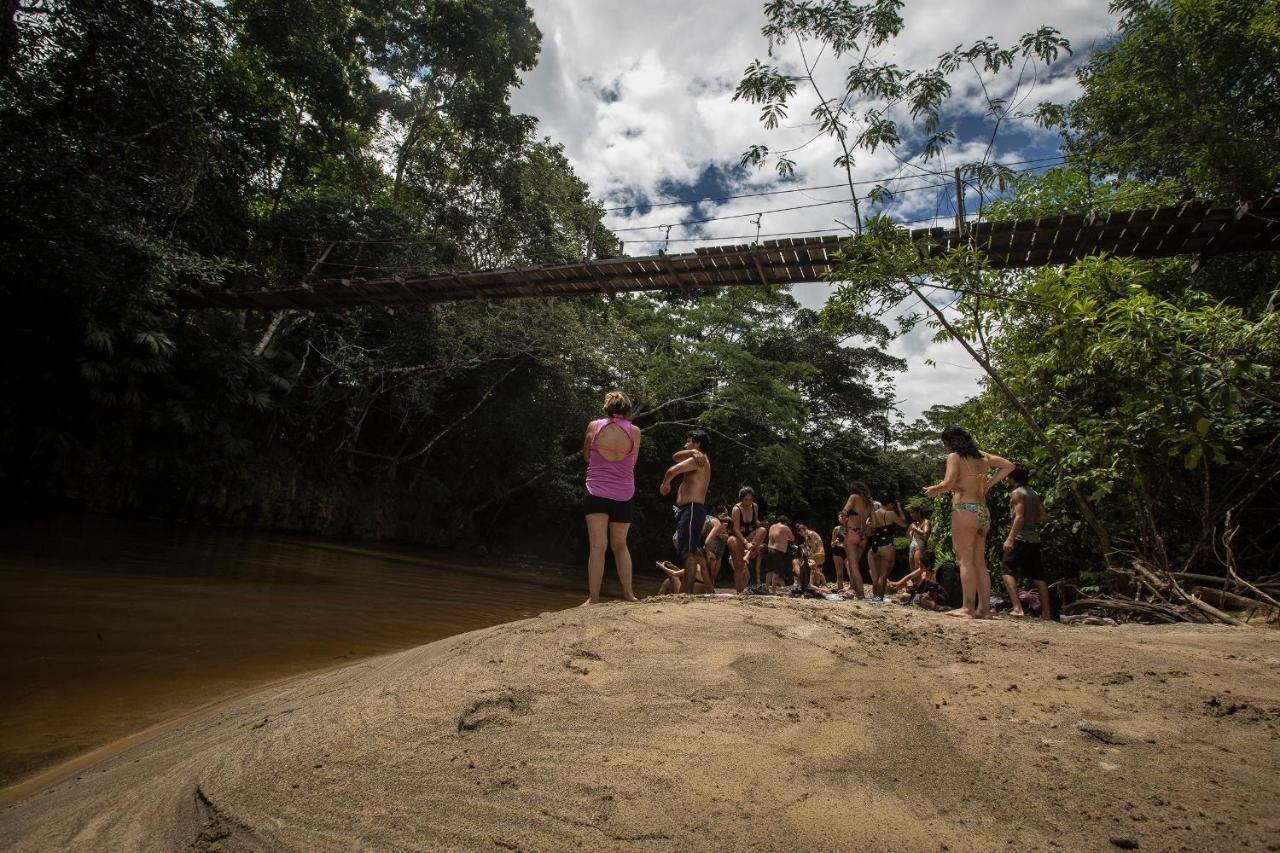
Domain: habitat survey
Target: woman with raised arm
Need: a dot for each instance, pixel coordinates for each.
(966, 478)
(610, 448)
(856, 517)
(881, 555)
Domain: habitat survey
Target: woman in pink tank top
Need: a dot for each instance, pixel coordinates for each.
(610, 448)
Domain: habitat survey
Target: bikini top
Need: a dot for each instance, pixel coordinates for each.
(748, 523)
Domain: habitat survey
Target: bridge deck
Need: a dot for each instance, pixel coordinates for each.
(1191, 228)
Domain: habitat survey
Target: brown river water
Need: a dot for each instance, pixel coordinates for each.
(109, 627)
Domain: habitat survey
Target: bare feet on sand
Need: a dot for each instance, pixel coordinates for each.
(961, 611)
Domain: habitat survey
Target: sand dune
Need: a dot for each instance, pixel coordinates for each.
(755, 723)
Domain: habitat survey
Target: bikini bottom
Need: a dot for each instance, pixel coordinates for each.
(980, 510)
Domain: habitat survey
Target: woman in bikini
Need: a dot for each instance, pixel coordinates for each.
(856, 516)
(881, 555)
(610, 448)
(919, 530)
(837, 551)
(744, 518)
(967, 480)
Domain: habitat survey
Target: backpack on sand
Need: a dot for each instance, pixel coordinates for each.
(948, 576)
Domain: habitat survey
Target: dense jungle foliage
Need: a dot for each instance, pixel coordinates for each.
(1143, 393)
(150, 146)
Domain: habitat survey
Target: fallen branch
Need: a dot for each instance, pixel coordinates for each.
(1163, 612)
(1152, 578)
(1221, 580)
(1250, 607)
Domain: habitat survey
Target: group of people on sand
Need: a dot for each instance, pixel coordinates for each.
(779, 553)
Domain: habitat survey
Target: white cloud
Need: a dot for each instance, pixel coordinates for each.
(640, 95)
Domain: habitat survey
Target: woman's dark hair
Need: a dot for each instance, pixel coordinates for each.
(1020, 475)
(857, 487)
(700, 438)
(744, 491)
(782, 519)
(959, 441)
(617, 403)
(915, 510)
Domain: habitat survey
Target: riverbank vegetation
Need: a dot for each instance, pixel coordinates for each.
(1144, 393)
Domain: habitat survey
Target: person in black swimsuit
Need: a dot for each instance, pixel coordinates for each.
(744, 520)
(880, 544)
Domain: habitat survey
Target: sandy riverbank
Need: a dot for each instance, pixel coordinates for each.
(727, 723)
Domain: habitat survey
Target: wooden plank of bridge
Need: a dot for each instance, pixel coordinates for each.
(1187, 228)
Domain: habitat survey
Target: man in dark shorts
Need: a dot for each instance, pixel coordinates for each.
(780, 541)
(694, 469)
(1022, 545)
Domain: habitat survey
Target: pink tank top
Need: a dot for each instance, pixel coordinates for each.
(614, 481)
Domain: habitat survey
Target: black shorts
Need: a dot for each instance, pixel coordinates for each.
(1024, 561)
(780, 562)
(619, 512)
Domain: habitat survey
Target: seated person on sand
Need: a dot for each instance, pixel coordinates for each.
(926, 561)
(674, 582)
(779, 554)
(755, 553)
(923, 589)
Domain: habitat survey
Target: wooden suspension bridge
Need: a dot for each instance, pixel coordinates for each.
(1190, 228)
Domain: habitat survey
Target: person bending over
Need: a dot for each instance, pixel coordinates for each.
(693, 467)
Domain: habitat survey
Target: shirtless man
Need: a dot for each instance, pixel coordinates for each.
(780, 541)
(812, 556)
(694, 470)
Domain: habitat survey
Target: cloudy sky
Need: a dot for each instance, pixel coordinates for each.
(640, 95)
